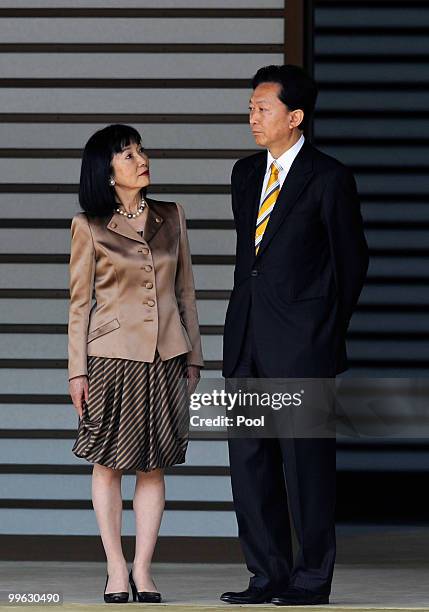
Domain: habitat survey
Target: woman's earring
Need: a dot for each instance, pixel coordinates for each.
(112, 182)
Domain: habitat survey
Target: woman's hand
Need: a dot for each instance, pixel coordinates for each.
(193, 378)
(78, 389)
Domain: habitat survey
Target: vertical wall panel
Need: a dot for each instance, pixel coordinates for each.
(371, 63)
(180, 71)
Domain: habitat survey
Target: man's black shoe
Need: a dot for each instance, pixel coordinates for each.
(252, 595)
(294, 596)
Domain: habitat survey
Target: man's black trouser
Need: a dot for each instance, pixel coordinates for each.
(271, 476)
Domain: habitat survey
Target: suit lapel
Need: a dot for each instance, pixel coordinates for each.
(153, 223)
(296, 180)
(120, 225)
(254, 184)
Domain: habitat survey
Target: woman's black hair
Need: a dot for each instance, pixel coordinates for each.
(297, 88)
(96, 196)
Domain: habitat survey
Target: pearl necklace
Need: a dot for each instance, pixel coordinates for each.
(139, 211)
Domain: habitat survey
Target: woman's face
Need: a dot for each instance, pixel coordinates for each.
(130, 168)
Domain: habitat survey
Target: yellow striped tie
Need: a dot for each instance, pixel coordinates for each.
(267, 205)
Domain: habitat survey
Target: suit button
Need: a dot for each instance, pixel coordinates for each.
(157, 219)
(148, 268)
(254, 273)
(148, 285)
(145, 251)
(113, 225)
(151, 302)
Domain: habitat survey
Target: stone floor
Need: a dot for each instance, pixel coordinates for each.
(380, 568)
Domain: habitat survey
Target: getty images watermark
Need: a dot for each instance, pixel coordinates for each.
(232, 401)
(306, 408)
(262, 407)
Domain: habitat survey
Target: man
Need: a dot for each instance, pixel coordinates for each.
(301, 261)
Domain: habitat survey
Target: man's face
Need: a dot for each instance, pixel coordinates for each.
(269, 118)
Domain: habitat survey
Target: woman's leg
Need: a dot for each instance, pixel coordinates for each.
(148, 504)
(107, 502)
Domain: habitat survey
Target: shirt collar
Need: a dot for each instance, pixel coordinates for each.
(286, 159)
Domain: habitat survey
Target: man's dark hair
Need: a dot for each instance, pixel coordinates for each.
(297, 88)
(96, 196)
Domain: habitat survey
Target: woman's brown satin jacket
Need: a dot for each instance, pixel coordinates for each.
(144, 289)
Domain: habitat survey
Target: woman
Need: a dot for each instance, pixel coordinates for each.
(129, 352)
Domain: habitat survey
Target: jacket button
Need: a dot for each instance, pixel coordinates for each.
(113, 225)
(145, 251)
(254, 273)
(157, 219)
(148, 268)
(151, 302)
(148, 285)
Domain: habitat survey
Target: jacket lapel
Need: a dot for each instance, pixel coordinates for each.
(120, 225)
(253, 190)
(153, 223)
(296, 180)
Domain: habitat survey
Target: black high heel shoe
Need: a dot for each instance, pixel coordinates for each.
(143, 596)
(121, 597)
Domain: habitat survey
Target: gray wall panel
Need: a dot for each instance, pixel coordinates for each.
(392, 267)
(392, 183)
(155, 136)
(369, 62)
(18, 381)
(173, 171)
(370, 127)
(402, 211)
(138, 4)
(373, 100)
(400, 156)
(75, 30)
(34, 311)
(38, 416)
(134, 65)
(53, 486)
(88, 100)
(204, 242)
(55, 276)
(33, 276)
(369, 44)
(54, 346)
(395, 294)
(61, 206)
(52, 452)
(28, 381)
(398, 239)
(375, 72)
(390, 349)
(50, 312)
(362, 17)
(59, 105)
(211, 312)
(82, 522)
(22, 346)
(376, 322)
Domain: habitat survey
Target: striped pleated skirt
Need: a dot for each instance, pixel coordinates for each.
(137, 414)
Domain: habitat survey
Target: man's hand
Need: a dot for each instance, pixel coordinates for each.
(193, 378)
(78, 389)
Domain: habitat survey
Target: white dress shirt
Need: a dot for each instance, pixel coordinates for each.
(285, 160)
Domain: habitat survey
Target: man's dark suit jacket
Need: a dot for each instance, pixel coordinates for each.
(302, 287)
